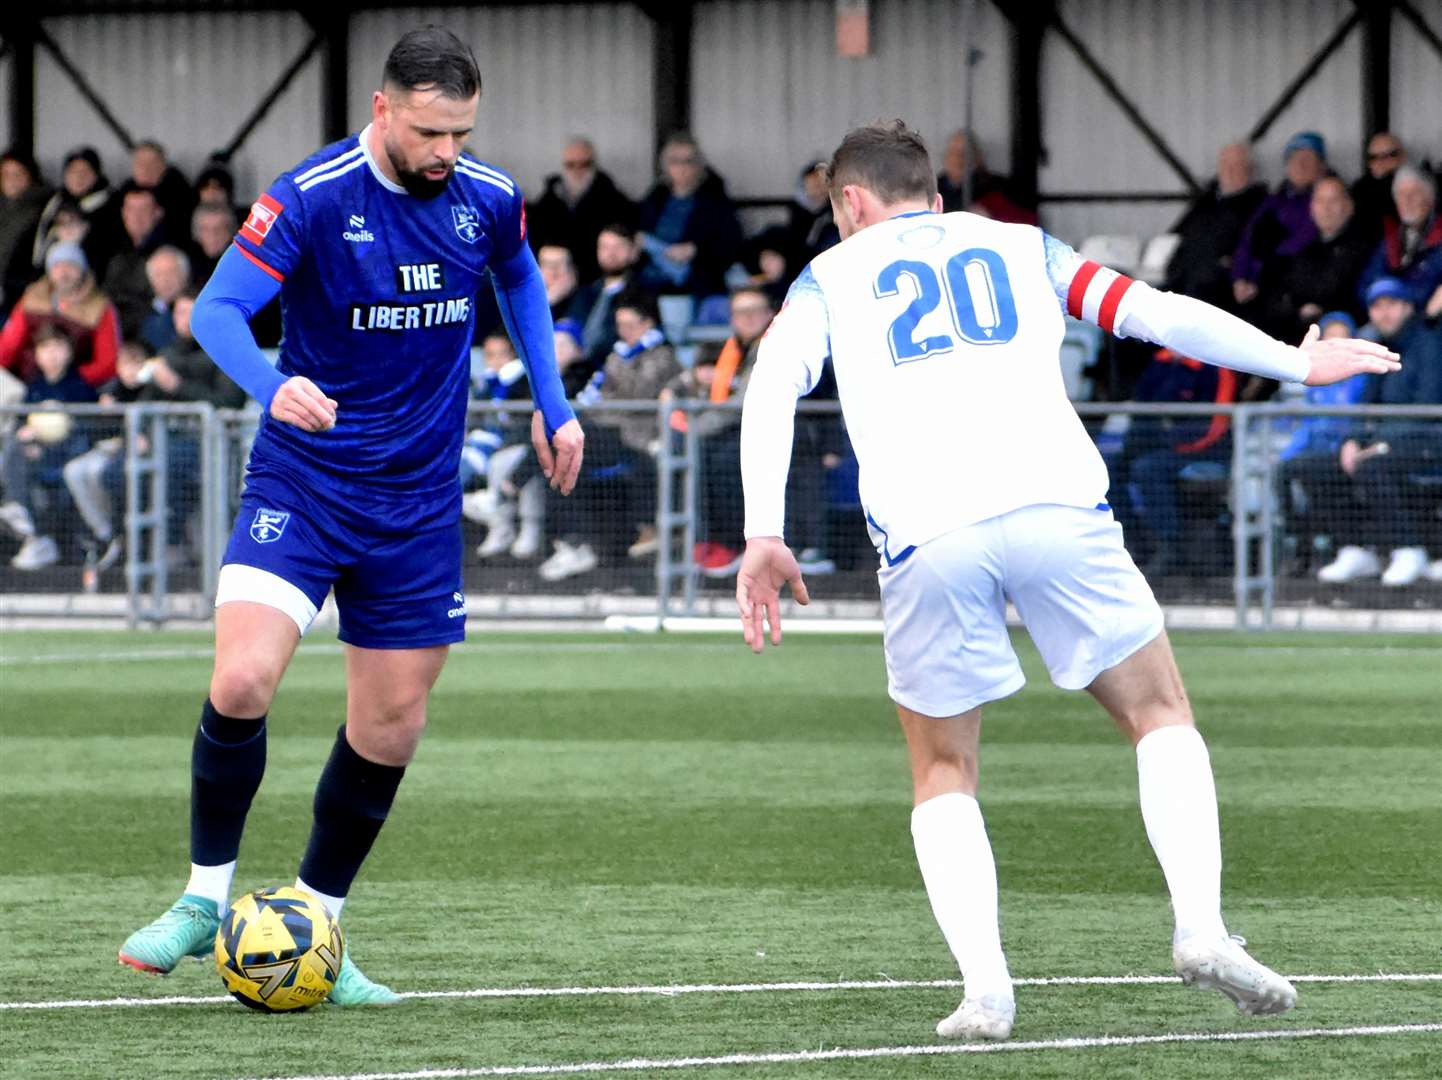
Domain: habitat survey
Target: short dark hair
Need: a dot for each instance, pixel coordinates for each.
(434, 58)
(751, 289)
(51, 332)
(641, 302)
(625, 232)
(887, 158)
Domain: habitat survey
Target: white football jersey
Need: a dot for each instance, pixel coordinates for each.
(944, 331)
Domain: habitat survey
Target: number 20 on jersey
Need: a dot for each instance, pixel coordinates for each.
(977, 291)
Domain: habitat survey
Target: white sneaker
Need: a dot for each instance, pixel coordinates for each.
(1222, 964)
(814, 561)
(1351, 563)
(568, 561)
(528, 542)
(1434, 572)
(1408, 565)
(480, 506)
(36, 553)
(499, 540)
(18, 519)
(988, 1017)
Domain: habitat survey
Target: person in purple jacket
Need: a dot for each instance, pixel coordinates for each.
(1282, 225)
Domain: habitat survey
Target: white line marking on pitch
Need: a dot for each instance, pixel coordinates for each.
(665, 990)
(862, 1053)
(199, 652)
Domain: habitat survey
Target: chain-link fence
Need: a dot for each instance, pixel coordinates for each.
(1247, 510)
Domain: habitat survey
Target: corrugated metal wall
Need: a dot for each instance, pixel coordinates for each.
(1202, 76)
(187, 80)
(547, 72)
(1417, 83)
(5, 68)
(768, 89)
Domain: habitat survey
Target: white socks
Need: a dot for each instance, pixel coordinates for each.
(213, 883)
(1179, 806)
(333, 904)
(956, 863)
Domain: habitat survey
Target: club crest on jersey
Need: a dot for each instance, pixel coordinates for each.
(468, 223)
(268, 525)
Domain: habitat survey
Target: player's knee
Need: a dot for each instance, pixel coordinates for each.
(943, 772)
(241, 690)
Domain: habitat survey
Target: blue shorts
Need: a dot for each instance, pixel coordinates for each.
(393, 589)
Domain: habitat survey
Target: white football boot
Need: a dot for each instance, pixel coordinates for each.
(982, 1018)
(1220, 963)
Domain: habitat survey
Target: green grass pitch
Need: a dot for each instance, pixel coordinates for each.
(618, 811)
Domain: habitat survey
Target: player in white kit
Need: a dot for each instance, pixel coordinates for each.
(981, 485)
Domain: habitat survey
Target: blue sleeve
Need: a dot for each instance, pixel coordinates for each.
(521, 296)
(221, 324)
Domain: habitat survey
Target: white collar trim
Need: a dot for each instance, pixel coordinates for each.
(385, 181)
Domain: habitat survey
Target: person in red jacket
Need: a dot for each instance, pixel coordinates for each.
(68, 299)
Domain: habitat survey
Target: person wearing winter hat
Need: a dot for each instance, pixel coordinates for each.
(1282, 225)
(84, 188)
(1378, 508)
(67, 298)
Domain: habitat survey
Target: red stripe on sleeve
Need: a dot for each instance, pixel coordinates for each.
(1077, 293)
(1107, 313)
(272, 272)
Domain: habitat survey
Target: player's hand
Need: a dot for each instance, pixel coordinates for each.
(301, 403)
(765, 567)
(1335, 359)
(560, 455)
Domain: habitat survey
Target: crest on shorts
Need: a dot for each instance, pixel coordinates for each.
(268, 525)
(468, 223)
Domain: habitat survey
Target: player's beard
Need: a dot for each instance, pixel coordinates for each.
(415, 181)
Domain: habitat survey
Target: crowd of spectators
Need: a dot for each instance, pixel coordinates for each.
(666, 297)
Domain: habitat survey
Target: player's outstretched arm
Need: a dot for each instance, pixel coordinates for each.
(1128, 308)
(766, 566)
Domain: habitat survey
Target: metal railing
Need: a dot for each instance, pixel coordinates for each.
(169, 477)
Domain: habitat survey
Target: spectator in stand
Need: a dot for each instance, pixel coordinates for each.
(619, 447)
(84, 189)
(181, 372)
(571, 360)
(1146, 479)
(718, 552)
(688, 225)
(1411, 247)
(1372, 191)
(1323, 275)
(211, 228)
(168, 272)
(1382, 509)
(32, 458)
(1307, 464)
(992, 194)
(1202, 264)
(126, 282)
(558, 272)
(150, 169)
(498, 505)
(810, 223)
(66, 298)
(23, 196)
(1282, 226)
(215, 187)
(577, 204)
(617, 255)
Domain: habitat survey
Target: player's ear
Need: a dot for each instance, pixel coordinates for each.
(936, 203)
(380, 108)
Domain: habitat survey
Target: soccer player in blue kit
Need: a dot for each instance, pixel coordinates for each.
(377, 246)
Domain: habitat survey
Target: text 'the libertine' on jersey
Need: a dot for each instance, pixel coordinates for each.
(378, 306)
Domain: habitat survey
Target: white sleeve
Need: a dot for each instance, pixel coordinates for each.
(789, 363)
(1087, 290)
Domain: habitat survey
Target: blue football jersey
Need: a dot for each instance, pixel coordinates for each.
(377, 301)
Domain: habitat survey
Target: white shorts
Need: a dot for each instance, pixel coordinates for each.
(1080, 595)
